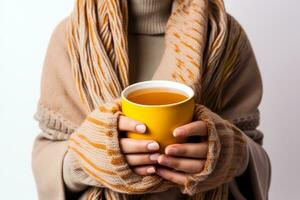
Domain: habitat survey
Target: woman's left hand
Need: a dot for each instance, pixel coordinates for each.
(187, 158)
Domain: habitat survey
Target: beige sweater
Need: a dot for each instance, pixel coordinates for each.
(53, 171)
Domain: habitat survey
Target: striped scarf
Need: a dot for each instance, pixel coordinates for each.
(201, 47)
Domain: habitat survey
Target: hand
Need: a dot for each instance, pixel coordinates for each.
(187, 158)
(140, 154)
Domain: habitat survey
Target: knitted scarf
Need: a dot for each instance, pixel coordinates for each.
(201, 47)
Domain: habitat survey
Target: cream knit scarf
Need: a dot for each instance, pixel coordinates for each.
(201, 46)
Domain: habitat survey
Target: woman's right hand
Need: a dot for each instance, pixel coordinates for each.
(141, 155)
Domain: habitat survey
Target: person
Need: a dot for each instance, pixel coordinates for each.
(97, 52)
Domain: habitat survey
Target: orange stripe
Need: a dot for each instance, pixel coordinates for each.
(177, 49)
(98, 122)
(181, 77)
(189, 57)
(109, 133)
(176, 35)
(190, 72)
(179, 63)
(100, 179)
(189, 46)
(94, 144)
(117, 161)
(190, 36)
(90, 162)
(174, 76)
(198, 22)
(104, 109)
(112, 152)
(118, 186)
(195, 64)
(196, 30)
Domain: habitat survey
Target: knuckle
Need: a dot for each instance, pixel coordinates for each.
(145, 159)
(131, 159)
(131, 124)
(175, 163)
(182, 150)
(169, 176)
(142, 146)
(138, 146)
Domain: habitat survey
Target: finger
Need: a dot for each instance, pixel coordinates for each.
(194, 128)
(141, 159)
(182, 164)
(129, 124)
(144, 170)
(129, 145)
(192, 150)
(175, 177)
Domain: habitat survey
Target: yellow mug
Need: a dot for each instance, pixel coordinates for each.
(160, 120)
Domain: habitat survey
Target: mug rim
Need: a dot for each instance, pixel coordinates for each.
(161, 84)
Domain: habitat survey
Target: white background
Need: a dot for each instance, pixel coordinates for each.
(25, 28)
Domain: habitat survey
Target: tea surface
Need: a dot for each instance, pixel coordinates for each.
(156, 96)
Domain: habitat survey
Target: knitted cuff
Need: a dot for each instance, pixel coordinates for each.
(227, 153)
(95, 146)
(74, 177)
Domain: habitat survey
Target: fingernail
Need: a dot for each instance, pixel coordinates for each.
(140, 128)
(172, 151)
(154, 157)
(153, 146)
(176, 132)
(151, 170)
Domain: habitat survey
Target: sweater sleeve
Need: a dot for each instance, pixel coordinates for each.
(47, 167)
(49, 150)
(50, 160)
(242, 97)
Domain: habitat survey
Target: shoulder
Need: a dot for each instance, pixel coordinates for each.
(59, 34)
(57, 51)
(56, 62)
(58, 89)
